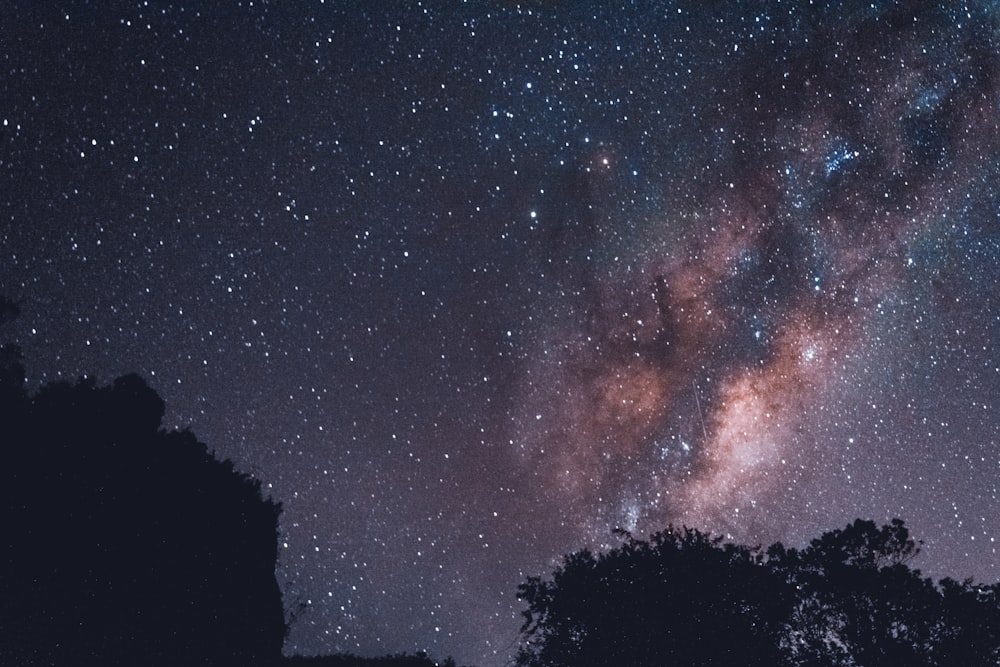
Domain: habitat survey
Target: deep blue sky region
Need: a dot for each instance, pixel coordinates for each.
(468, 285)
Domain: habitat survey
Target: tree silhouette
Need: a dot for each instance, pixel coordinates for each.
(686, 598)
(968, 632)
(125, 544)
(682, 598)
(859, 602)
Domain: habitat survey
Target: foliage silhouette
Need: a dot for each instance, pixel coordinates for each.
(687, 598)
(125, 544)
(859, 601)
(672, 598)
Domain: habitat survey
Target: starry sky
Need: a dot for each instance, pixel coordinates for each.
(469, 284)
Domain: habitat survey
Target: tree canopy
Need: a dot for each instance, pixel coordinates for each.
(687, 598)
(124, 543)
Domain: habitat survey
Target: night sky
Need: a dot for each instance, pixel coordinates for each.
(469, 284)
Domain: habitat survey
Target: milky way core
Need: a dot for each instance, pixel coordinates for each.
(697, 385)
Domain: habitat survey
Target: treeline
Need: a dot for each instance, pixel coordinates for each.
(686, 598)
(127, 544)
(124, 543)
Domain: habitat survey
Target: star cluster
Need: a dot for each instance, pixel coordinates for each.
(468, 285)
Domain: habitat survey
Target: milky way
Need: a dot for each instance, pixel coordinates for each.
(470, 286)
(702, 369)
